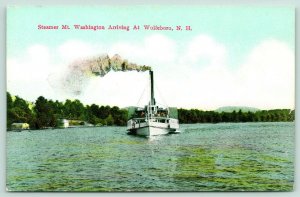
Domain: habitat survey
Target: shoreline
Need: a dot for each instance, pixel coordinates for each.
(109, 126)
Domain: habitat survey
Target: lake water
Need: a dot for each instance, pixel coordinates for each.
(204, 157)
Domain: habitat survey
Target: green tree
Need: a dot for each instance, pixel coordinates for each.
(291, 115)
(45, 116)
(74, 110)
(109, 120)
(10, 115)
(104, 112)
(18, 111)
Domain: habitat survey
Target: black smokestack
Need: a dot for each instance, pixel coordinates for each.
(152, 88)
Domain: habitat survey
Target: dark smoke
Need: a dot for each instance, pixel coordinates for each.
(79, 72)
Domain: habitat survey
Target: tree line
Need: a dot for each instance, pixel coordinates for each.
(45, 113)
(198, 116)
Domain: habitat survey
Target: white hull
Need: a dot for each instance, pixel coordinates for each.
(151, 131)
(153, 128)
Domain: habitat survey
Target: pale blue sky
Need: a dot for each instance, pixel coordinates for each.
(224, 42)
(239, 28)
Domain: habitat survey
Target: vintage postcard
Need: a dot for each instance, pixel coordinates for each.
(150, 98)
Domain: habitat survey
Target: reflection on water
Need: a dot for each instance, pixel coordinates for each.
(156, 138)
(204, 157)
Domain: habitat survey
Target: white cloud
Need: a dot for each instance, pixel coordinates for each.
(32, 65)
(27, 74)
(201, 75)
(116, 88)
(196, 76)
(267, 78)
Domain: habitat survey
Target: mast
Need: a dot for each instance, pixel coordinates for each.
(152, 101)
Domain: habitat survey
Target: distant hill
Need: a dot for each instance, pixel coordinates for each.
(236, 108)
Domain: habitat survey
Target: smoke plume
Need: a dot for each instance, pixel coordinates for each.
(81, 71)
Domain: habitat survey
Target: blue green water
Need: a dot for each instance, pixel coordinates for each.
(204, 157)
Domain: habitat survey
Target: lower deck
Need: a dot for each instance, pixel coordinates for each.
(152, 126)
